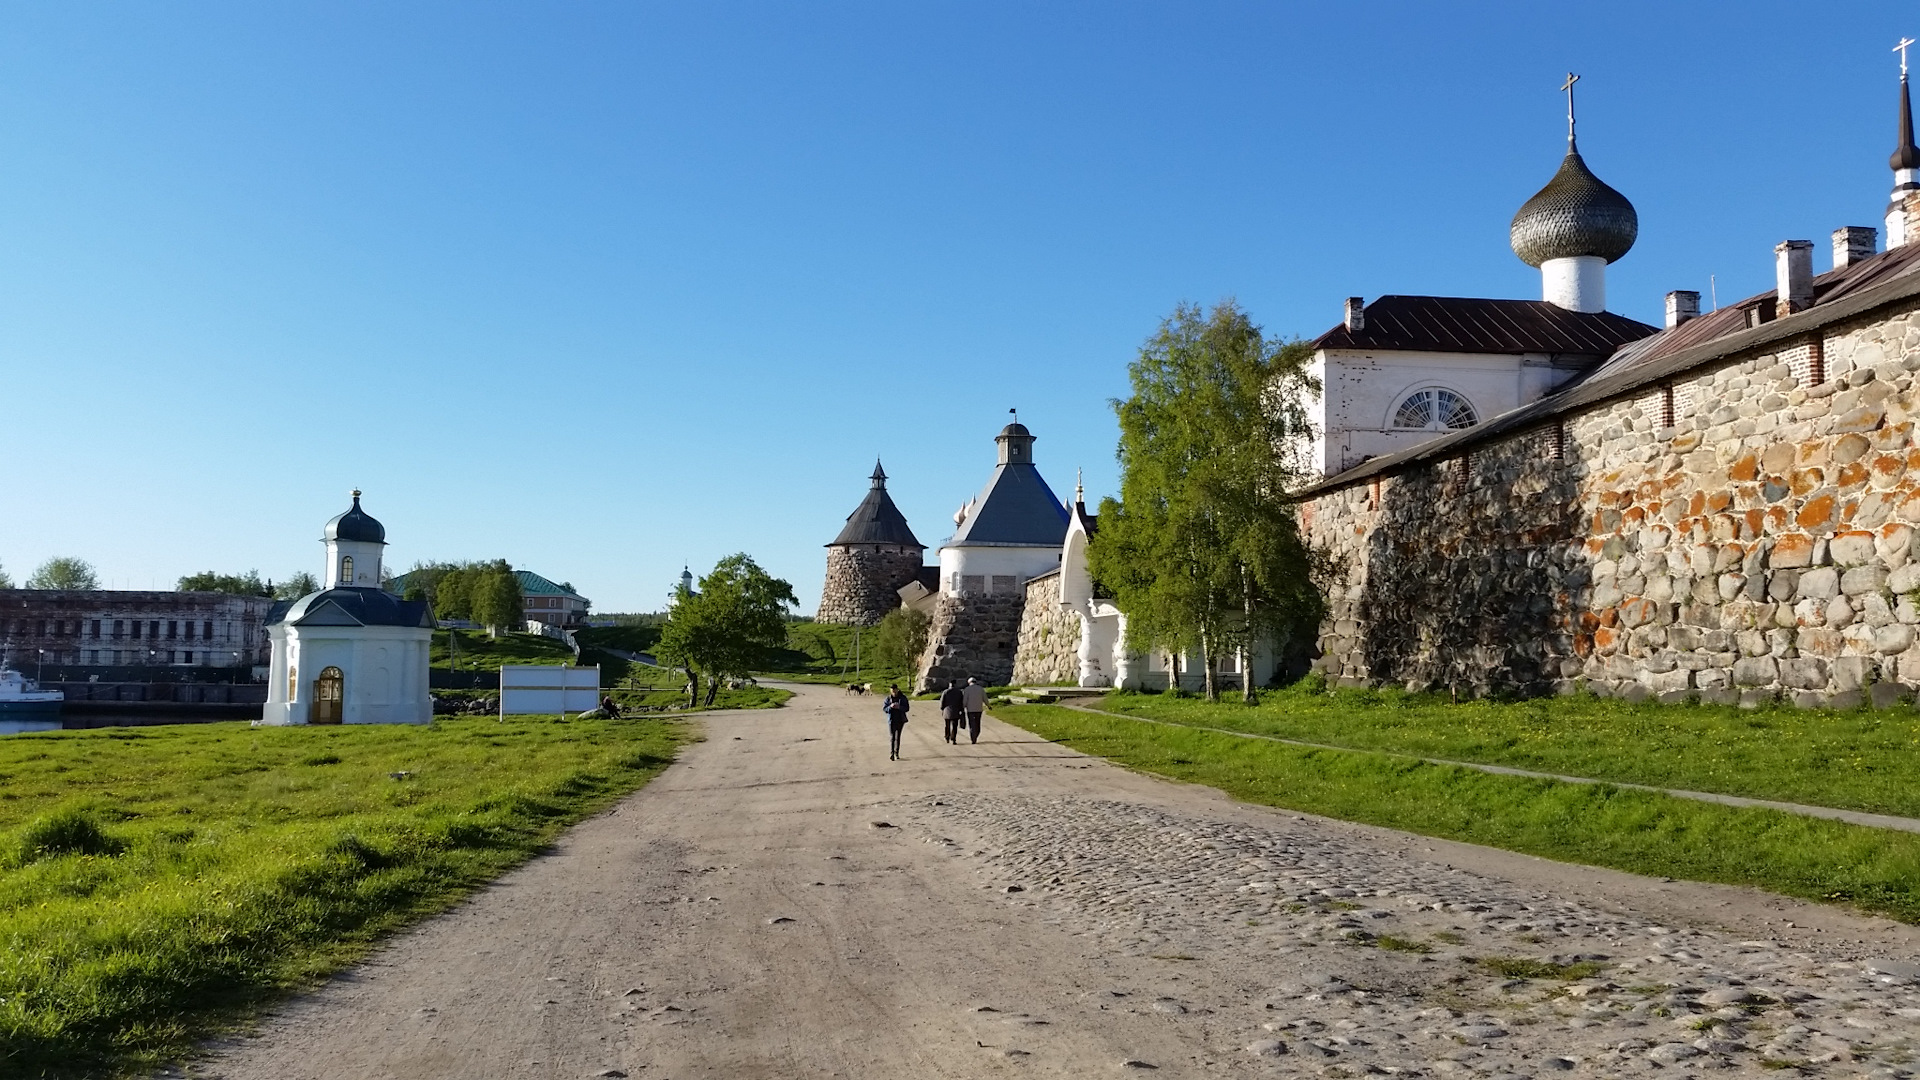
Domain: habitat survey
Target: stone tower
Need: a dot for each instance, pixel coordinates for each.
(871, 559)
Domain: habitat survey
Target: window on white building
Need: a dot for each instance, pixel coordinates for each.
(346, 569)
(1003, 583)
(1434, 409)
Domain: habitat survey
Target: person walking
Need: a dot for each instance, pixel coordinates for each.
(896, 707)
(974, 701)
(952, 710)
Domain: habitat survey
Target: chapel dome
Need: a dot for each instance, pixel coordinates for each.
(355, 524)
(1015, 430)
(1575, 214)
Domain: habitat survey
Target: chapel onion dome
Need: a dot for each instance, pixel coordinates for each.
(355, 524)
(1574, 215)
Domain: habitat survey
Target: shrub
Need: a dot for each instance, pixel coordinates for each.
(67, 831)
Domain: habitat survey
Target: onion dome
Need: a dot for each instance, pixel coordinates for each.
(355, 524)
(1575, 214)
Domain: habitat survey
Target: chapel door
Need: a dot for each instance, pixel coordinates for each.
(329, 691)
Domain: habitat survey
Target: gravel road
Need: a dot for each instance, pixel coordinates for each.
(786, 902)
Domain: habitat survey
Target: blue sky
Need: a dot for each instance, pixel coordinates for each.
(608, 288)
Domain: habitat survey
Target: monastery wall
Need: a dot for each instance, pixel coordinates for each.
(863, 582)
(972, 635)
(1048, 652)
(1765, 544)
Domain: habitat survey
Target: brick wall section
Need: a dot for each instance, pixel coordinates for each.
(1762, 546)
(972, 636)
(1048, 650)
(863, 583)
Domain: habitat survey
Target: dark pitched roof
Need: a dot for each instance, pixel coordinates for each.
(352, 607)
(1463, 324)
(1015, 508)
(355, 524)
(1842, 294)
(876, 520)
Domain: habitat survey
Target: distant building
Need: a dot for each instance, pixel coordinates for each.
(551, 603)
(351, 653)
(77, 634)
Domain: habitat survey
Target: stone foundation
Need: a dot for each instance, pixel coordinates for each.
(1762, 545)
(972, 636)
(863, 582)
(1048, 645)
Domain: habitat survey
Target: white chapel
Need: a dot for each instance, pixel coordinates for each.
(351, 653)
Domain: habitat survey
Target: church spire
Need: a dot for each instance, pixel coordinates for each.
(879, 476)
(1905, 163)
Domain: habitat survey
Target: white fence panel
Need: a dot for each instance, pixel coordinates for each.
(548, 688)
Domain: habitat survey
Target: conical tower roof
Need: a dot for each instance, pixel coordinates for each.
(1905, 155)
(876, 520)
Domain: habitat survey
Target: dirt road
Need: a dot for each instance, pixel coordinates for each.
(786, 902)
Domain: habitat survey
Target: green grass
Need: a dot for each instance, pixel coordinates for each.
(478, 652)
(156, 884)
(1524, 967)
(1856, 760)
(1598, 824)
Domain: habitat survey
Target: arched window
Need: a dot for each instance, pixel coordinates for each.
(1434, 409)
(346, 569)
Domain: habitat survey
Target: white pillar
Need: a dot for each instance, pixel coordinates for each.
(1577, 283)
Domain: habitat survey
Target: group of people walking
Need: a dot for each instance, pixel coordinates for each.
(958, 705)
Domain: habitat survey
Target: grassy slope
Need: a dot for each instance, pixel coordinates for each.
(1856, 760)
(478, 652)
(157, 882)
(816, 653)
(1637, 831)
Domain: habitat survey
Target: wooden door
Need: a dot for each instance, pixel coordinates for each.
(329, 692)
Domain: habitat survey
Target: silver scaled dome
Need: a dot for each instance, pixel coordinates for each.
(1575, 214)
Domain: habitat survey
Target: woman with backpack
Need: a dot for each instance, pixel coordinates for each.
(896, 708)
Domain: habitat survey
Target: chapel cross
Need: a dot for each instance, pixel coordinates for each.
(1902, 50)
(1567, 88)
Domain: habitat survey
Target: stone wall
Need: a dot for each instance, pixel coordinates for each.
(1761, 546)
(972, 636)
(863, 582)
(1048, 649)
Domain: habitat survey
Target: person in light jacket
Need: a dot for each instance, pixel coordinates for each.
(896, 707)
(974, 700)
(952, 710)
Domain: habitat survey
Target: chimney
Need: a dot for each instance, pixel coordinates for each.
(1852, 243)
(1682, 304)
(1356, 313)
(1793, 276)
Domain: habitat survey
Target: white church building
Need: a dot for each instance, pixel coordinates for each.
(351, 653)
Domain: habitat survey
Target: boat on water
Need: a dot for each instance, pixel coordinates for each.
(26, 707)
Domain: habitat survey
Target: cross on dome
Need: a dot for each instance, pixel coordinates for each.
(1567, 88)
(1902, 50)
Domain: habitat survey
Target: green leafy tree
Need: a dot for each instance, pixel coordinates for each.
(496, 600)
(728, 625)
(296, 586)
(1202, 550)
(453, 595)
(901, 638)
(5, 581)
(247, 584)
(64, 572)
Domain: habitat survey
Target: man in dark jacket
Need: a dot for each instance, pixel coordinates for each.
(896, 709)
(952, 708)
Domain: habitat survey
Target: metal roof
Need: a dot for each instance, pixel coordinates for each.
(355, 524)
(1575, 214)
(1839, 295)
(352, 607)
(1463, 324)
(532, 584)
(876, 520)
(1015, 509)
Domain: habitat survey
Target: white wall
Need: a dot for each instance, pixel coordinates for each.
(366, 564)
(1021, 563)
(1364, 389)
(384, 667)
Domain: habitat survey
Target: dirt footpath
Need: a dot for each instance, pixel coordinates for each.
(786, 902)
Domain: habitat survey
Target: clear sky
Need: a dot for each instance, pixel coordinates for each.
(605, 289)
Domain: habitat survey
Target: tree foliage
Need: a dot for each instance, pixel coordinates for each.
(1202, 550)
(247, 584)
(726, 627)
(296, 585)
(64, 572)
(5, 581)
(496, 600)
(901, 638)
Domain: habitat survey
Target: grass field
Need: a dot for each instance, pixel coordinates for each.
(833, 655)
(157, 883)
(1856, 760)
(1597, 824)
(478, 652)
